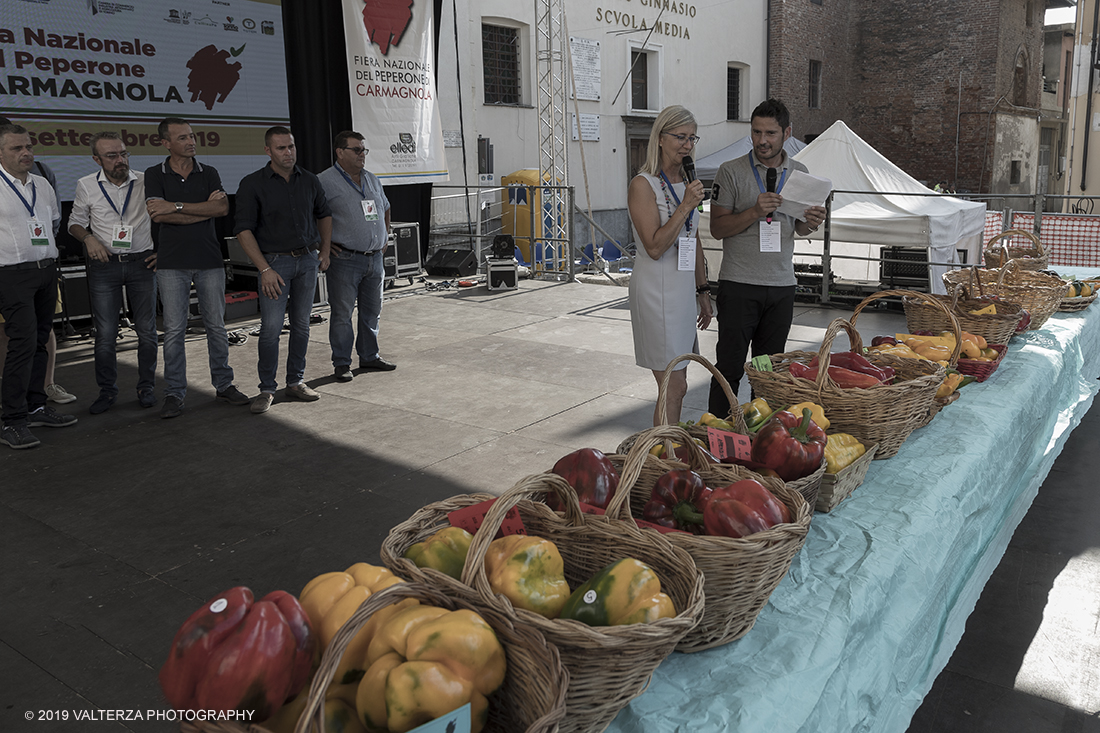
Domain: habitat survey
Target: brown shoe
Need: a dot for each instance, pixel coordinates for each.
(303, 392)
(261, 403)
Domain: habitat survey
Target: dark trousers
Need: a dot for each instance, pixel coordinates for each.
(27, 301)
(756, 316)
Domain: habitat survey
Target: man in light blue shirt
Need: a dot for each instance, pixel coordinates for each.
(360, 229)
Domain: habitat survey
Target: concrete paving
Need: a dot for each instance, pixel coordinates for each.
(116, 529)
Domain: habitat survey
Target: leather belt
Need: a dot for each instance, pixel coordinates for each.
(301, 251)
(131, 256)
(32, 265)
(356, 251)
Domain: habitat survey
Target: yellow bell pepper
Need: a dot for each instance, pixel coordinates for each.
(841, 451)
(330, 599)
(444, 551)
(950, 383)
(529, 572)
(426, 662)
(756, 412)
(340, 712)
(897, 350)
(625, 592)
(817, 413)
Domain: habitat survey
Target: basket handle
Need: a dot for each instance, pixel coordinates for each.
(823, 361)
(1017, 233)
(736, 416)
(927, 299)
(313, 716)
(1010, 266)
(639, 455)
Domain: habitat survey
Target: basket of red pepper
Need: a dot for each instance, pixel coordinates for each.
(876, 397)
(741, 529)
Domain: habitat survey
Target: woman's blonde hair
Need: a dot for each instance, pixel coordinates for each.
(669, 119)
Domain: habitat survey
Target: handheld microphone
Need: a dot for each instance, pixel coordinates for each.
(771, 176)
(689, 172)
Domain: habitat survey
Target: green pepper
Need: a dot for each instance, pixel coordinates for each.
(444, 551)
(624, 592)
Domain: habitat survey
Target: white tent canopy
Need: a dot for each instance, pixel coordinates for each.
(707, 167)
(942, 224)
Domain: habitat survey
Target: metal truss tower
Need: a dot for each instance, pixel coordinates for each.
(553, 126)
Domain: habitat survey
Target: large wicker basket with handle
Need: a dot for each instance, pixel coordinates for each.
(1030, 256)
(740, 573)
(608, 666)
(885, 414)
(531, 699)
(1039, 294)
(995, 328)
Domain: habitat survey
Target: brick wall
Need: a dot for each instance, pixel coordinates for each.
(892, 72)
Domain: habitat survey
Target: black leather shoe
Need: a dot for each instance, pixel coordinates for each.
(343, 373)
(102, 403)
(173, 407)
(146, 398)
(377, 365)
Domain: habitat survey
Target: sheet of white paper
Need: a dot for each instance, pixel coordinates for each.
(801, 191)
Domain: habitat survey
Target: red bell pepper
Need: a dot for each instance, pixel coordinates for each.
(233, 654)
(858, 363)
(677, 501)
(727, 517)
(591, 474)
(790, 446)
(844, 378)
(756, 496)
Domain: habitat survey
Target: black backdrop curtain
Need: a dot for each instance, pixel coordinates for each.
(320, 97)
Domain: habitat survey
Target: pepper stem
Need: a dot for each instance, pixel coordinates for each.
(800, 432)
(685, 513)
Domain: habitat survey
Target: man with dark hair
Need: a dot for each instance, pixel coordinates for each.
(109, 217)
(28, 289)
(360, 228)
(184, 197)
(284, 225)
(756, 284)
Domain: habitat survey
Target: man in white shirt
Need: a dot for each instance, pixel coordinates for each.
(110, 218)
(28, 289)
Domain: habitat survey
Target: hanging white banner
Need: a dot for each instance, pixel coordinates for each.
(391, 72)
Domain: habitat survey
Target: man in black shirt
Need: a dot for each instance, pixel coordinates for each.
(284, 225)
(185, 197)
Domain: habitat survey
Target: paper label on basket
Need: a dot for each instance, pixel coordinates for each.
(724, 444)
(470, 518)
(456, 721)
(762, 363)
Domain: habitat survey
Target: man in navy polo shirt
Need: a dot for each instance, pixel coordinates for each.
(284, 225)
(184, 197)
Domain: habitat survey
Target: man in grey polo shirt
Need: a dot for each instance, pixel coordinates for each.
(360, 228)
(756, 284)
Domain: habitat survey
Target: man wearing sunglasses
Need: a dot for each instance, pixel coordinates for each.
(110, 218)
(360, 228)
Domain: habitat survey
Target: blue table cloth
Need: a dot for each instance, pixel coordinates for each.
(875, 603)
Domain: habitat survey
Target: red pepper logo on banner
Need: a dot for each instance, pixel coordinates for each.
(385, 21)
(212, 78)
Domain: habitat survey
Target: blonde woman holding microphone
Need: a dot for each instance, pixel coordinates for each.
(669, 295)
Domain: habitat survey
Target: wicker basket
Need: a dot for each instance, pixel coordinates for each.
(1035, 292)
(736, 417)
(531, 699)
(608, 666)
(740, 573)
(836, 487)
(982, 370)
(1032, 256)
(884, 414)
(1072, 305)
(995, 328)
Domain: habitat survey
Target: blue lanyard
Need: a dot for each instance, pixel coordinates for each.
(34, 196)
(361, 190)
(126, 203)
(760, 183)
(664, 181)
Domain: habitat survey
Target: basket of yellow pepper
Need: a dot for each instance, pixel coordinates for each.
(846, 462)
(608, 665)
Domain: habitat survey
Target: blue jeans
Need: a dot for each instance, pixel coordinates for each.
(354, 277)
(299, 276)
(175, 297)
(105, 283)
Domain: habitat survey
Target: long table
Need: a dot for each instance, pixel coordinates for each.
(877, 600)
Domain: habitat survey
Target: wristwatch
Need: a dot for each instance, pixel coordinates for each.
(179, 207)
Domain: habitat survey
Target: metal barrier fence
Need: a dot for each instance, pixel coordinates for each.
(472, 217)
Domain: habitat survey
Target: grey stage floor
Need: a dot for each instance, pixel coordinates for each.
(116, 529)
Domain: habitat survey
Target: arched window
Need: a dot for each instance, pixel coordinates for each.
(1019, 79)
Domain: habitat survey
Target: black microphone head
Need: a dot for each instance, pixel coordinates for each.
(771, 180)
(689, 168)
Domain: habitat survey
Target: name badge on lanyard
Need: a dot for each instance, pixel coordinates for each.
(370, 210)
(123, 237)
(685, 258)
(39, 236)
(771, 236)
